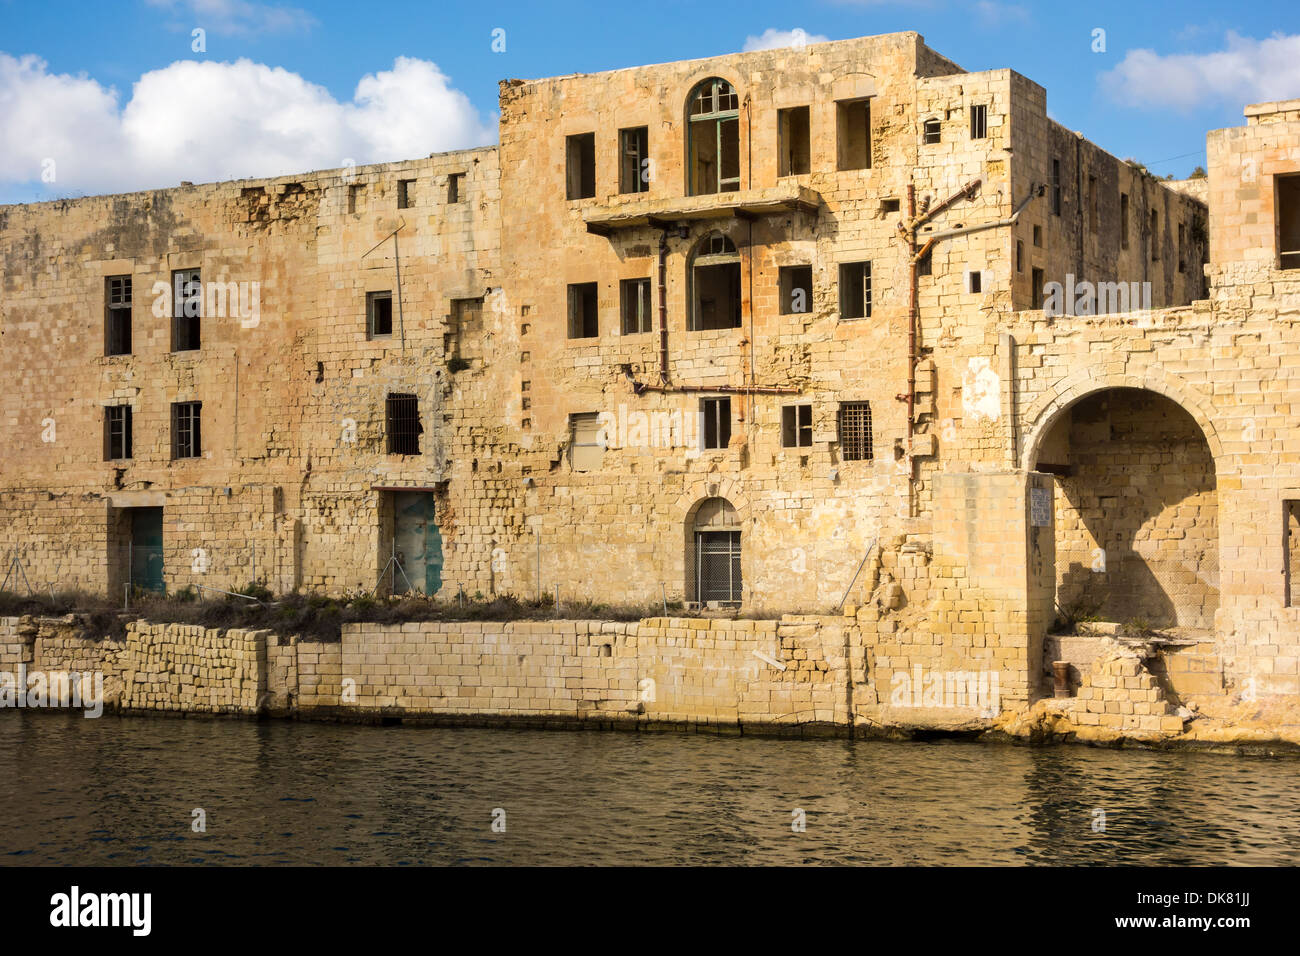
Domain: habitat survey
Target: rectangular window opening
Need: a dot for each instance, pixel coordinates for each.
(1155, 236)
(117, 432)
(634, 295)
(795, 284)
(117, 315)
(454, 182)
(716, 429)
(186, 437)
(580, 166)
(586, 442)
(405, 193)
(979, 121)
(855, 431)
(583, 320)
(1036, 289)
(1287, 189)
(796, 426)
(403, 424)
(855, 290)
(853, 133)
(379, 315)
(1123, 220)
(187, 309)
(634, 160)
(792, 137)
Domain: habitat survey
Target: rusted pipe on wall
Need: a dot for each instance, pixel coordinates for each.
(663, 307)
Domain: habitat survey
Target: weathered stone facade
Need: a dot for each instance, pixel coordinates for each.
(990, 459)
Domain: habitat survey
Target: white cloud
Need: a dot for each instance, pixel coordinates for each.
(773, 38)
(238, 16)
(1245, 71)
(204, 121)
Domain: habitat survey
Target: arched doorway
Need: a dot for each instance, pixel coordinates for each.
(713, 553)
(1137, 516)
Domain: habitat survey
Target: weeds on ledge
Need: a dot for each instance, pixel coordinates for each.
(311, 616)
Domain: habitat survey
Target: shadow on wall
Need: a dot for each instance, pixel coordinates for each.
(1136, 510)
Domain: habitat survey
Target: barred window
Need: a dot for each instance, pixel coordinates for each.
(404, 428)
(855, 431)
(186, 439)
(117, 432)
(117, 315)
(979, 121)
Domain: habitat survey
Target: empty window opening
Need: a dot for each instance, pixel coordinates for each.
(979, 121)
(1123, 220)
(792, 141)
(1291, 551)
(379, 314)
(1182, 246)
(356, 199)
(403, 424)
(855, 431)
(1056, 187)
(586, 441)
(117, 432)
(795, 284)
(930, 132)
(974, 281)
(713, 138)
(187, 439)
(117, 315)
(1036, 289)
(454, 182)
(580, 166)
(853, 134)
(796, 426)
(855, 290)
(1038, 236)
(634, 160)
(715, 284)
(1288, 221)
(405, 193)
(1155, 236)
(188, 309)
(634, 295)
(583, 320)
(889, 205)
(1020, 256)
(716, 427)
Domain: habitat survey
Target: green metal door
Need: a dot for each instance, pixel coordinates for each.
(417, 543)
(147, 548)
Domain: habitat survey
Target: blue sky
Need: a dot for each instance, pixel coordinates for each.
(98, 97)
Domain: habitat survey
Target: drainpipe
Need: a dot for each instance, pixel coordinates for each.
(663, 307)
(912, 309)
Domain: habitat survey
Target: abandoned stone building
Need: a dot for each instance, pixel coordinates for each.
(789, 329)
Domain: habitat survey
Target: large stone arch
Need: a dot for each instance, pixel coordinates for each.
(1043, 413)
(1136, 463)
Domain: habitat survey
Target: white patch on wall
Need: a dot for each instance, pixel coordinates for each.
(980, 391)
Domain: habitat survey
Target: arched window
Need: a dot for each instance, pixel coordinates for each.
(714, 275)
(715, 540)
(713, 138)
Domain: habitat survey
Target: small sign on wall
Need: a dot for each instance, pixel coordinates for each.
(1040, 507)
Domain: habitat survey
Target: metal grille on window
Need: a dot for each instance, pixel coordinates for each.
(404, 428)
(855, 431)
(717, 559)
